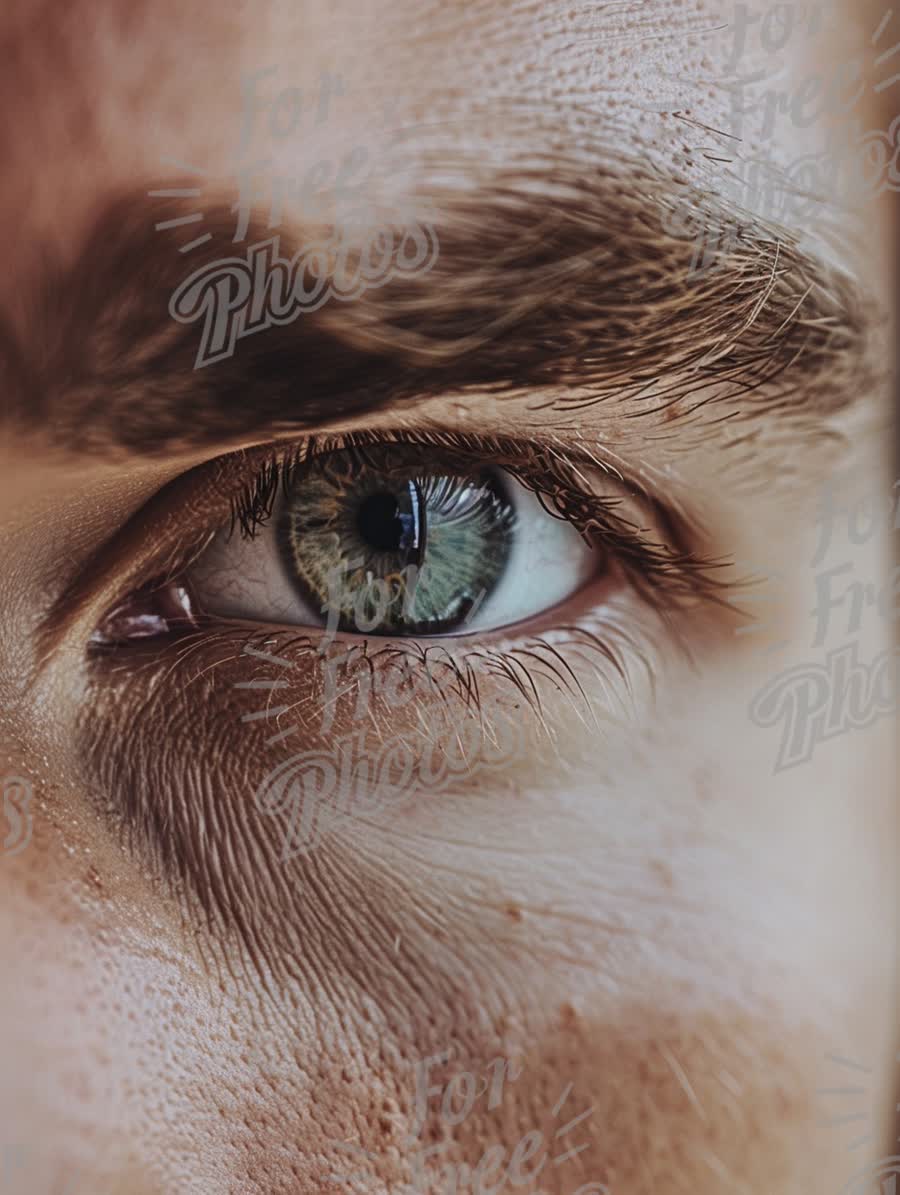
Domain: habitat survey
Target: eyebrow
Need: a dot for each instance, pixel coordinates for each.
(551, 276)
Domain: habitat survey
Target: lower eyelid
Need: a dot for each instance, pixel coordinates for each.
(272, 681)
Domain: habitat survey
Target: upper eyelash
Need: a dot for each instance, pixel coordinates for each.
(549, 472)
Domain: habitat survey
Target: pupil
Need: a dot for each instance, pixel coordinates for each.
(385, 526)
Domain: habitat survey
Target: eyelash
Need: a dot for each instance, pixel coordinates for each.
(661, 571)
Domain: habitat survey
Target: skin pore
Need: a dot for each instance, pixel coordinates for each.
(637, 909)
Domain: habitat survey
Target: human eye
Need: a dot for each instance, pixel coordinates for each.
(393, 538)
(418, 536)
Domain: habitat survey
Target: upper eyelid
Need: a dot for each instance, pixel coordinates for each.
(130, 558)
(508, 452)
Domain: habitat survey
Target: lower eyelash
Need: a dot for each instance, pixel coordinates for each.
(597, 650)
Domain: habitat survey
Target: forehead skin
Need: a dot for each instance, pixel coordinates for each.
(686, 973)
(115, 89)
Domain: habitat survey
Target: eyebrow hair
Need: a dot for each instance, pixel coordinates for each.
(550, 276)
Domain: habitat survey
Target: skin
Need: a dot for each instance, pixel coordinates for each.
(644, 912)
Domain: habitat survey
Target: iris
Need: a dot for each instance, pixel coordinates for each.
(388, 545)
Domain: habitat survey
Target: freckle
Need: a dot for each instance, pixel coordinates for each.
(664, 871)
(568, 1017)
(513, 912)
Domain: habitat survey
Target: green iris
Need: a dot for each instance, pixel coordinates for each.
(386, 544)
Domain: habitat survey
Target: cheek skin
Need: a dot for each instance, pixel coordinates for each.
(758, 969)
(700, 1084)
(100, 1023)
(713, 1078)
